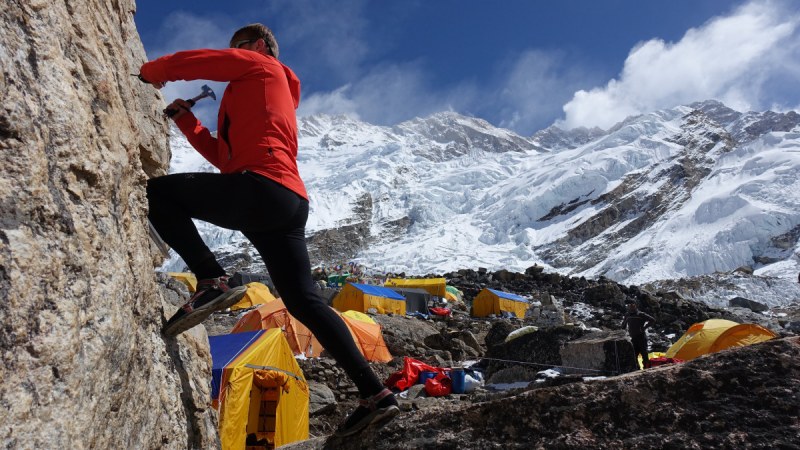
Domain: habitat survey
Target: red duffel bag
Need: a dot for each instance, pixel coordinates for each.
(439, 385)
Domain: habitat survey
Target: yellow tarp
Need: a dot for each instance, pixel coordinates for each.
(186, 278)
(352, 298)
(246, 389)
(435, 286)
(714, 335)
(257, 294)
(487, 302)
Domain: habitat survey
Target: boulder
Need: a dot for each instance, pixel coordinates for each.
(534, 270)
(793, 326)
(674, 296)
(608, 292)
(321, 399)
(498, 333)
(752, 305)
(599, 353)
(541, 348)
(468, 338)
(502, 275)
(513, 374)
(404, 335)
(416, 391)
(551, 314)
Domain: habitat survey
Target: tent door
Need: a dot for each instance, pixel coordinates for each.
(264, 437)
(267, 413)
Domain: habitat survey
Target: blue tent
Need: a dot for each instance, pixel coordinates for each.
(508, 295)
(258, 388)
(498, 303)
(378, 291)
(224, 349)
(362, 297)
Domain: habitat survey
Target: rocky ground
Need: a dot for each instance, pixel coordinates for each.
(744, 398)
(700, 404)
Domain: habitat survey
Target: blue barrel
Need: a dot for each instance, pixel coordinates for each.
(459, 381)
(425, 375)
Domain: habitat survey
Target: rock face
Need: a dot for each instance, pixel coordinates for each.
(83, 362)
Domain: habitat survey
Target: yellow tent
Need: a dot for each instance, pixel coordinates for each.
(186, 278)
(436, 286)
(259, 388)
(714, 335)
(361, 297)
(490, 301)
(359, 316)
(257, 294)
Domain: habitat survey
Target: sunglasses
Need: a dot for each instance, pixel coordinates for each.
(238, 44)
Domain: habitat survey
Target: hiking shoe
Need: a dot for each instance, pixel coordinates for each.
(212, 294)
(375, 411)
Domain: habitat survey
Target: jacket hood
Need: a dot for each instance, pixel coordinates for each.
(294, 85)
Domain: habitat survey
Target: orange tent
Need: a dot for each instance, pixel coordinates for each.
(368, 336)
(274, 315)
(366, 333)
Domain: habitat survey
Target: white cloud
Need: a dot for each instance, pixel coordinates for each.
(335, 102)
(734, 58)
(526, 93)
(533, 89)
(389, 94)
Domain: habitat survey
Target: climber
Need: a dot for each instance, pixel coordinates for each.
(637, 322)
(259, 192)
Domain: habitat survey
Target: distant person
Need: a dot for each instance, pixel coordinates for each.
(637, 322)
(258, 192)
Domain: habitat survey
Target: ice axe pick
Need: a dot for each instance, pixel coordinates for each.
(207, 92)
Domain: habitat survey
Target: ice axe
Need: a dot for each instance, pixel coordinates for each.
(207, 92)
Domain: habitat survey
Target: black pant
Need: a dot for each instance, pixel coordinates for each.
(273, 218)
(639, 342)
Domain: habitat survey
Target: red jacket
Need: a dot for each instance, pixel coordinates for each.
(257, 127)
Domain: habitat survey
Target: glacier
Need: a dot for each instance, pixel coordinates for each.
(681, 192)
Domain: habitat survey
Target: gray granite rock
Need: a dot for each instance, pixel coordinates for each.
(83, 361)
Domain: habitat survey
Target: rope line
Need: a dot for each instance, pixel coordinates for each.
(253, 366)
(543, 365)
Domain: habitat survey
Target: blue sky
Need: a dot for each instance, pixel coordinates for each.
(519, 64)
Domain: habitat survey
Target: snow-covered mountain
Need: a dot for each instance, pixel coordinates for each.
(675, 193)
